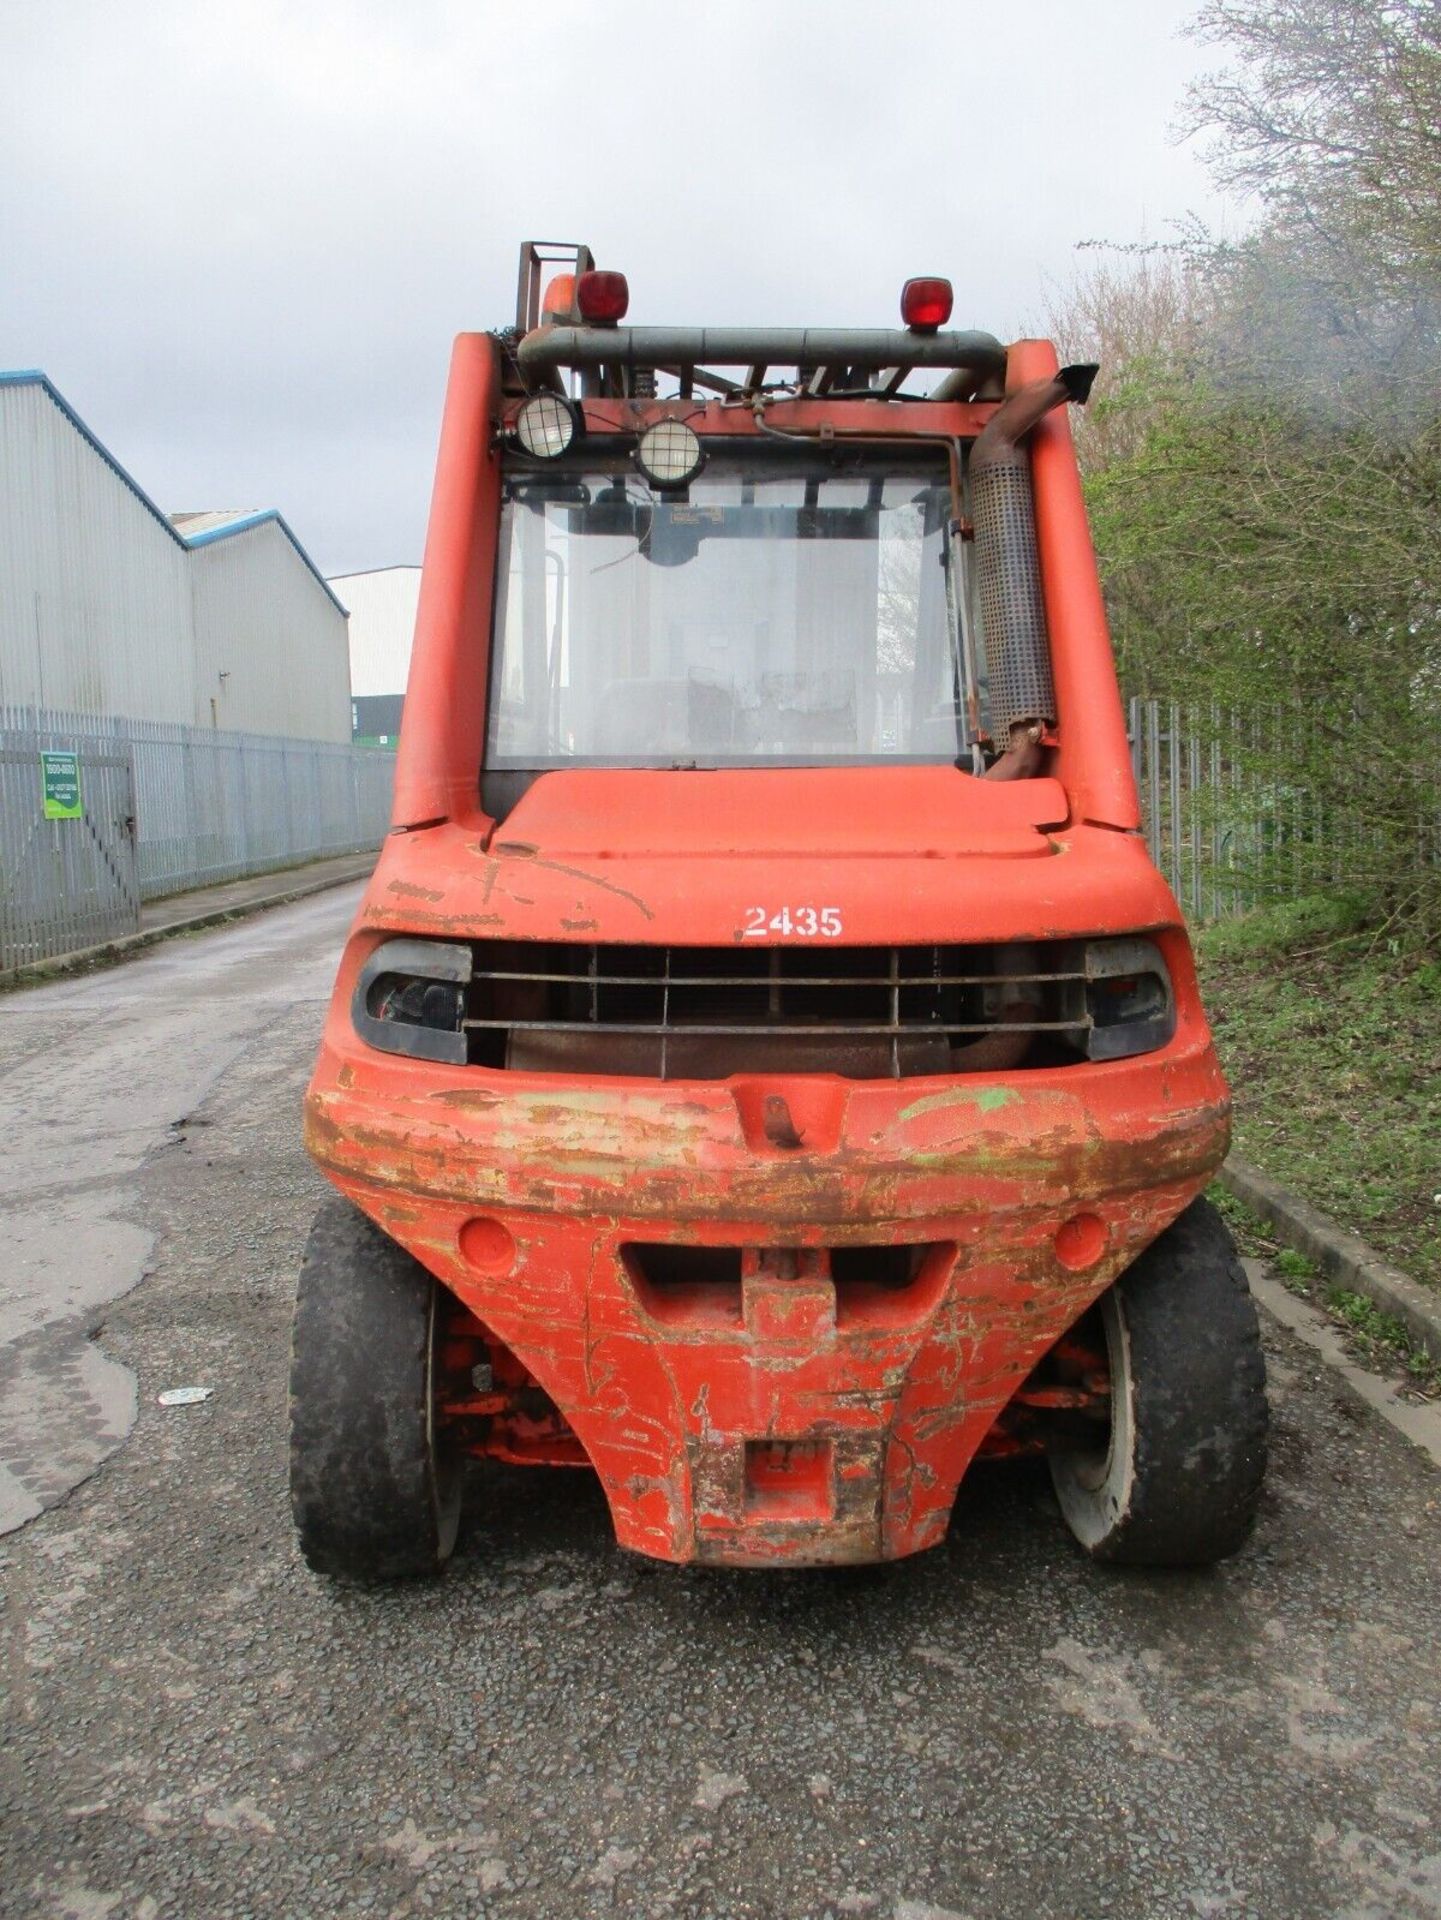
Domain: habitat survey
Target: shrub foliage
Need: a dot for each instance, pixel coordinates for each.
(1263, 454)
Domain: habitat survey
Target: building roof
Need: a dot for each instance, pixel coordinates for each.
(367, 573)
(189, 530)
(32, 377)
(203, 529)
(192, 523)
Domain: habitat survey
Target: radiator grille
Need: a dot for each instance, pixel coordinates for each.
(704, 1012)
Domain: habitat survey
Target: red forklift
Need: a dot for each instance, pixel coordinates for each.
(766, 1069)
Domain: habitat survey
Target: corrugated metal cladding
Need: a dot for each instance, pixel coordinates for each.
(271, 647)
(382, 625)
(94, 586)
(106, 609)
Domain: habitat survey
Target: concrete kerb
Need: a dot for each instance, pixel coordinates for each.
(111, 952)
(1341, 1256)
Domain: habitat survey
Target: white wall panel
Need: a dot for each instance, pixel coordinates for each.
(94, 591)
(104, 610)
(382, 626)
(271, 646)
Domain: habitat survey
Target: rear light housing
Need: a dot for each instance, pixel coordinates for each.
(602, 297)
(926, 303)
(1130, 1003)
(410, 998)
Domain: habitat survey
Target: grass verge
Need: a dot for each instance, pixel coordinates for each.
(1330, 1032)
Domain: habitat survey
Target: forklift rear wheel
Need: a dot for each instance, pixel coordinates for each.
(1178, 1479)
(374, 1489)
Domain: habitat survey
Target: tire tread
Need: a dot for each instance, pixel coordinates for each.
(364, 1488)
(1200, 1415)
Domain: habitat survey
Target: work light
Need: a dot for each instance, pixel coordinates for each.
(546, 425)
(669, 454)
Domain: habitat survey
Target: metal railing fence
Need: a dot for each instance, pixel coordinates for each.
(1242, 810)
(212, 806)
(168, 807)
(1186, 777)
(164, 808)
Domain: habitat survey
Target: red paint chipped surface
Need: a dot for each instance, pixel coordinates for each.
(784, 1398)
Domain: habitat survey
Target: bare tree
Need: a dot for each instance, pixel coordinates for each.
(1331, 112)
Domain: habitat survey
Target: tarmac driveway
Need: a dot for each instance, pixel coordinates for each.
(196, 1726)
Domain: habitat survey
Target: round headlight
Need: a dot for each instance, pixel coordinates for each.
(669, 454)
(545, 425)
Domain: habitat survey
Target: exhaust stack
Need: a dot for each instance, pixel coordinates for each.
(1013, 614)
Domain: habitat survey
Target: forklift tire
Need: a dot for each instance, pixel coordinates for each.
(375, 1497)
(1178, 1479)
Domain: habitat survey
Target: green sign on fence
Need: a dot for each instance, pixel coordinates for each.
(60, 782)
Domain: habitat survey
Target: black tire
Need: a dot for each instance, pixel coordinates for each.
(1178, 1479)
(375, 1497)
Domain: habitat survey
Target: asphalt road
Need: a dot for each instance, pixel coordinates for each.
(195, 1726)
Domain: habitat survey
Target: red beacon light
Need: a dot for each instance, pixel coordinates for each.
(602, 297)
(926, 304)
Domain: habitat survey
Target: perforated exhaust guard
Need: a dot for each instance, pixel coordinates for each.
(1013, 614)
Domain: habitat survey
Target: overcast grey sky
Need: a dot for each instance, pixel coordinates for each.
(239, 238)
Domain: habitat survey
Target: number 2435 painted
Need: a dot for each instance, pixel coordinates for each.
(805, 921)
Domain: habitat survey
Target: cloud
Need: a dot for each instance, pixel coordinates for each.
(240, 242)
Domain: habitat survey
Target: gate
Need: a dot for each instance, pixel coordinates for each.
(67, 869)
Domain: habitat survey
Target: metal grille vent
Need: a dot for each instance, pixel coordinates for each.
(704, 1012)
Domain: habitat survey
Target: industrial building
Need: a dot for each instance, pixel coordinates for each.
(109, 607)
(382, 607)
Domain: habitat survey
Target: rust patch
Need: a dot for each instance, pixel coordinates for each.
(321, 1131)
(408, 890)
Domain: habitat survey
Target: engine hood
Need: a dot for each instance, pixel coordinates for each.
(864, 856)
(782, 813)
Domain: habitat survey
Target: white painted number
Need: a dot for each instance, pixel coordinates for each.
(805, 921)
